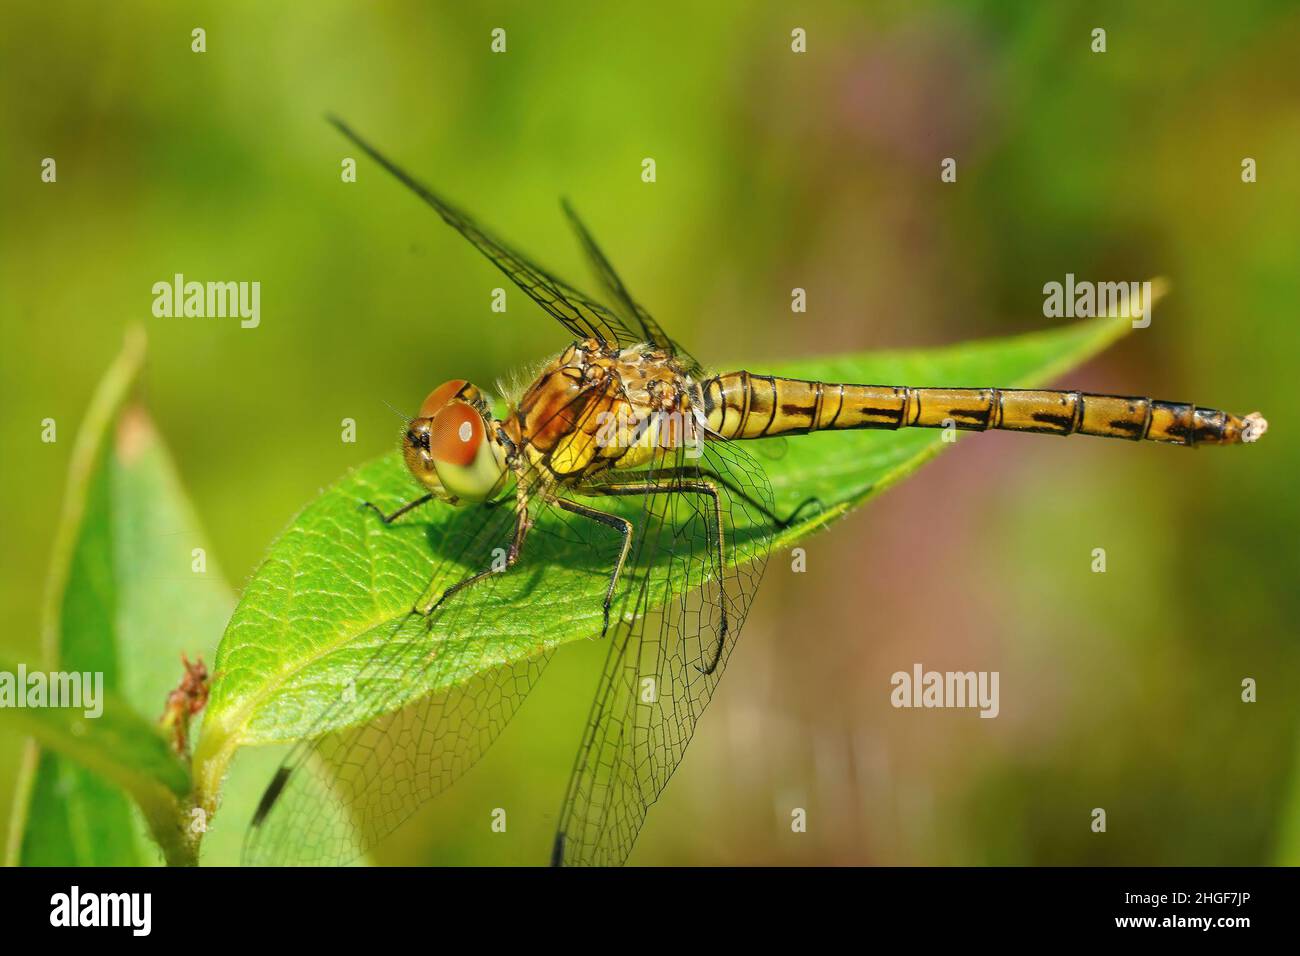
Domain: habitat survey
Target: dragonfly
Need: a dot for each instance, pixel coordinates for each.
(627, 459)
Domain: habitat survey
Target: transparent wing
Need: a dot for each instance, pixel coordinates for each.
(613, 285)
(583, 317)
(681, 609)
(336, 796)
(435, 691)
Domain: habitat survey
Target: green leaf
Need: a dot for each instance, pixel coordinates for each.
(124, 601)
(117, 744)
(337, 582)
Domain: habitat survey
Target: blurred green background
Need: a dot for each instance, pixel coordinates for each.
(775, 170)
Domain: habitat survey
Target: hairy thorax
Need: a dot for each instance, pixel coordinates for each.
(593, 409)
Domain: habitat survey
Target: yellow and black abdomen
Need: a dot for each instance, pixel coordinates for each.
(744, 405)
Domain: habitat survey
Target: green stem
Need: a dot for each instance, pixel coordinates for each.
(168, 824)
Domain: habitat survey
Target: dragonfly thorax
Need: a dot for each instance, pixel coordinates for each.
(453, 446)
(595, 408)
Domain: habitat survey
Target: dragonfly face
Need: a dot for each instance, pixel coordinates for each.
(452, 446)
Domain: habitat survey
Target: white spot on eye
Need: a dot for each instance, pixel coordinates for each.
(466, 431)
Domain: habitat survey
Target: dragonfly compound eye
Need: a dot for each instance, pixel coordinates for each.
(444, 393)
(468, 463)
(440, 397)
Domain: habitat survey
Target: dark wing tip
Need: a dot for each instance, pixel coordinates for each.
(272, 794)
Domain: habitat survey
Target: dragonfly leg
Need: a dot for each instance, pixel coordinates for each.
(810, 500)
(763, 509)
(389, 519)
(623, 527)
(681, 486)
(522, 524)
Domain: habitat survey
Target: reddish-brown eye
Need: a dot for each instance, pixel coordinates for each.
(456, 433)
(440, 396)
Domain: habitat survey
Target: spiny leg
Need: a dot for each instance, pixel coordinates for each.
(624, 527)
(423, 499)
(767, 512)
(390, 518)
(627, 489)
(426, 607)
(688, 472)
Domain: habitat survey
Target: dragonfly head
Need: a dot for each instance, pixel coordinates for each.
(452, 447)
